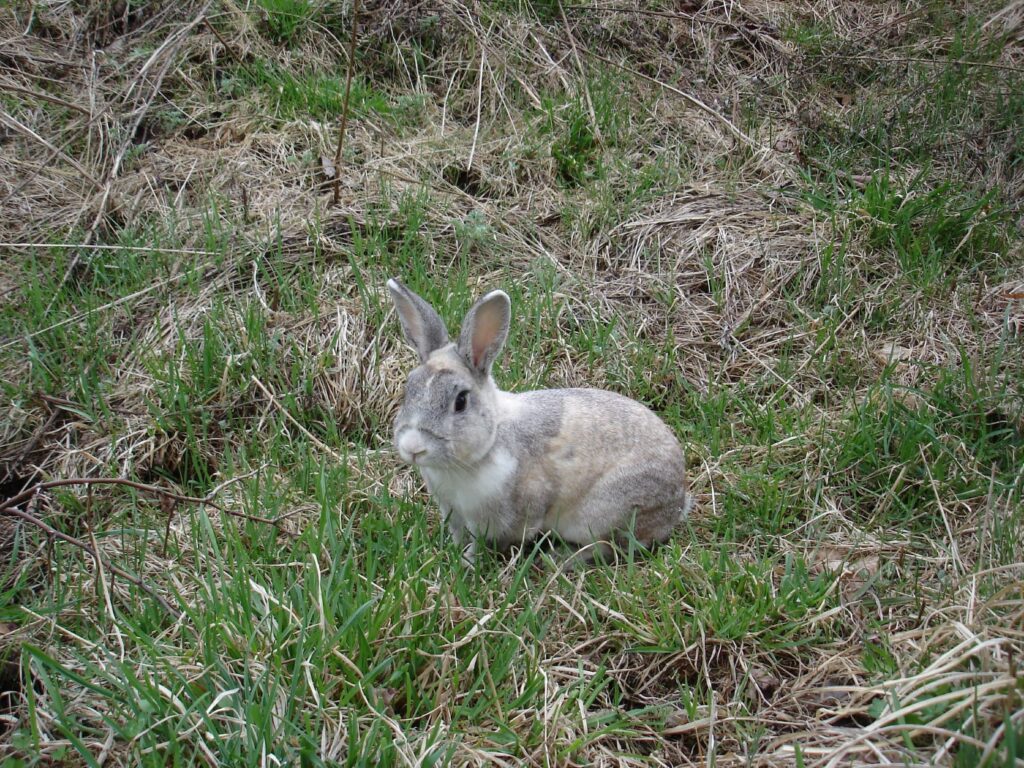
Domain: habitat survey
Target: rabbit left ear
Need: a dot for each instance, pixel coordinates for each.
(484, 331)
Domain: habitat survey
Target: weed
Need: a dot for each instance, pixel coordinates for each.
(931, 232)
(287, 21)
(307, 95)
(576, 151)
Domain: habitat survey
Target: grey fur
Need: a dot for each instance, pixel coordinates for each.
(419, 320)
(591, 465)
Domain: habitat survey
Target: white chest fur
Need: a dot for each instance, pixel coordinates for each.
(473, 493)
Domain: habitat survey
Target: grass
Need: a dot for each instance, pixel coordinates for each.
(831, 326)
(287, 20)
(316, 95)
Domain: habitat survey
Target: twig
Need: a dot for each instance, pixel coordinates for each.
(913, 60)
(954, 550)
(730, 126)
(37, 437)
(7, 507)
(313, 438)
(175, 39)
(109, 305)
(229, 49)
(43, 97)
(479, 107)
(451, 189)
(583, 75)
(54, 533)
(344, 104)
(45, 162)
(663, 14)
(14, 124)
(107, 247)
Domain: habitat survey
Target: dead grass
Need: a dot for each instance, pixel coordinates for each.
(721, 232)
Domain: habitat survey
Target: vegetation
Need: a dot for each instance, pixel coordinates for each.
(792, 229)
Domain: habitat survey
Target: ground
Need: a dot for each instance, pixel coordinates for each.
(791, 228)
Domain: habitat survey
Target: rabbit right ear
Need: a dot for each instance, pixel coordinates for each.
(422, 325)
(484, 331)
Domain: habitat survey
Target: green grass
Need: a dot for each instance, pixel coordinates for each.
(289, 94)
(288, 20)
(930, 234)
(913, 448)
(344, 626)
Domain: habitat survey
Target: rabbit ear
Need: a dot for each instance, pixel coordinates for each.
(422, 325)
(484, 331)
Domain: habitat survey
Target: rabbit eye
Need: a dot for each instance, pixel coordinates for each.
(460, 401)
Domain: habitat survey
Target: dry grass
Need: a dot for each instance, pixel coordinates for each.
(692, 207)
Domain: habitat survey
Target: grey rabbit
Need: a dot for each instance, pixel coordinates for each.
(588, 464)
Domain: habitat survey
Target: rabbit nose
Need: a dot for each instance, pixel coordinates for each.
(411, 447)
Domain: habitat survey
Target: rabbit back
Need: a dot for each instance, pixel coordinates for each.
(611, 465)
(587, 464)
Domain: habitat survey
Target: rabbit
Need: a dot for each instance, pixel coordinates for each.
(590, 465)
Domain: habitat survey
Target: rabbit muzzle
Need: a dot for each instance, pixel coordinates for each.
(412, 446)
